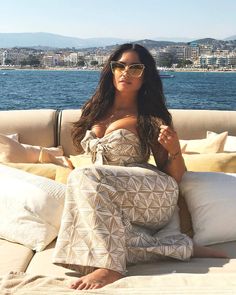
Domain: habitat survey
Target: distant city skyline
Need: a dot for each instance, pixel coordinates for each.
(134, 19)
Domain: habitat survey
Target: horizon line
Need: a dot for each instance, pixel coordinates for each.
(122, 38)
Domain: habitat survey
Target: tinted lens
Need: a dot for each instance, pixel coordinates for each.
(136, 70)
(117, 67)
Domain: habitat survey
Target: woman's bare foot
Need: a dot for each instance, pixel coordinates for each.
(96, 279)
(200, 251)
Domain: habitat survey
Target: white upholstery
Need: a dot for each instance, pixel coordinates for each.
(14, 257)
(41, 127)
(36, 127)
(190, 124)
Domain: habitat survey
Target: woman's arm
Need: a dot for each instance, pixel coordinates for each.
(171, 159)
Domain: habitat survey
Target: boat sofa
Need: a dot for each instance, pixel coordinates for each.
(24, 271)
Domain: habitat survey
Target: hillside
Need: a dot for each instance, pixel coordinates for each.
(48, 40)
(8, 40)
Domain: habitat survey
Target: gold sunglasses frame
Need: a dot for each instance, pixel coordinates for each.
(127, 67)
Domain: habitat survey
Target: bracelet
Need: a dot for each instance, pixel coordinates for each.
(174, 156)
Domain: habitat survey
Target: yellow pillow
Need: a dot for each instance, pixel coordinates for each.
(151, 160)
(80, 160)
(62, 174)
(204, 146)
(230, 144)
(46, 157)
(218, 162)
(46, 170)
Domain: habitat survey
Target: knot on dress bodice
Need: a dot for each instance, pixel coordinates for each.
(92, 145)
(119, 147)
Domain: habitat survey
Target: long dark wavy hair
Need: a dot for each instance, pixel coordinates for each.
(151, 105)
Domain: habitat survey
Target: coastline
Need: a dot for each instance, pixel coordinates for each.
(195, 70)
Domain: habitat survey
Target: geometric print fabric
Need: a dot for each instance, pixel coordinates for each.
(112, 211)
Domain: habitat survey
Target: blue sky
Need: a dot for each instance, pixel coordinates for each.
(128, 19)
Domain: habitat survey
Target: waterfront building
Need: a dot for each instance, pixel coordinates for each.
(101, 59)
(222, 61)
(201, 55)
(194, 51)
(3, 57)
(164, 58)
(232, 60)
(80, 54)
(205, 49)
(52, 60)
(178, 51)
(73, 58)
(214, 61)
(188, 52)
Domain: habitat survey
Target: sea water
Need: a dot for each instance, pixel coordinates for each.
(40, 89)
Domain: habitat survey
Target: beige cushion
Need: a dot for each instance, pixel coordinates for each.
(14, 257)
(211, 201)
(47, 157)
(192, 124)
(196, 266)
(13, 151)
(230, 144)
(42, 264)
(35, 127)
(47, 170)
(206, 145)
(169, 283)
(62, 174)
(215, 162)
(66, 120)
(80, 160)
(30, 208)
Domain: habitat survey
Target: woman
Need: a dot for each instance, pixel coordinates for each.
(113, 208)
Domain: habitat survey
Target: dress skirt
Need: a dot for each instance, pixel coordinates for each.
(111, 215)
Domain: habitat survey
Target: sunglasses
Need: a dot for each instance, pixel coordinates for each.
(134, 70)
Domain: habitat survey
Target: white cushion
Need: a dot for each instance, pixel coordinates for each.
(30, 208)
(211, 200)
(16, 152)
(230, 144)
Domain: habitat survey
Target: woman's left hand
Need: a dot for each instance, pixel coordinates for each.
(168, 138)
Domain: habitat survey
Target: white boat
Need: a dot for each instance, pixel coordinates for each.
(167, 75)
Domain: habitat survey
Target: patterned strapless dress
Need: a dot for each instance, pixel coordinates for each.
(117, 209)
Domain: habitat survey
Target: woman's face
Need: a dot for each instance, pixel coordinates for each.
(123, 81)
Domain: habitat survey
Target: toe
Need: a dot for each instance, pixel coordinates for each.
(98, 286)
(81, 286)
(76, 284)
